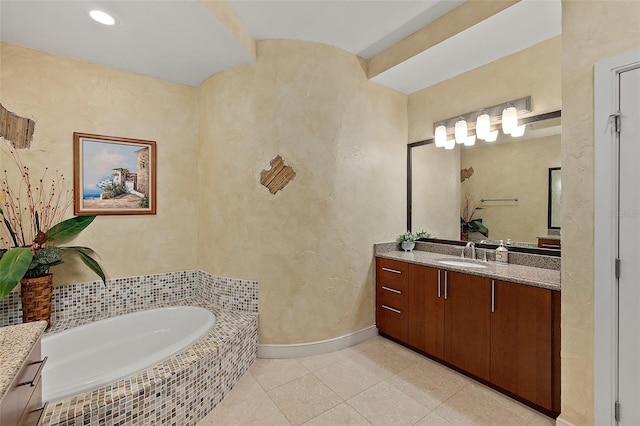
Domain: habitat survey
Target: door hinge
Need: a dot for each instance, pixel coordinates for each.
(615, 121)
(617, 268)
(617, 411)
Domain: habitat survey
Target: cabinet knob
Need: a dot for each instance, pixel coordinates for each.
(392, 290)
(389, 308)
(42, 411)
(493, 295)
(36, 377)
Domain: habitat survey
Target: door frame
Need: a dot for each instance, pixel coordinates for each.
(606, 98)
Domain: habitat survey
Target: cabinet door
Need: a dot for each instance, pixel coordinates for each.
(467, 323)
(426, 310)
(521, 342)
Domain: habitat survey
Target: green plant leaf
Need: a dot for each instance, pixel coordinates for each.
(68, 228)
(13, 266)
(37, 223)
(88, 260)
(477, 226)
(13, 235)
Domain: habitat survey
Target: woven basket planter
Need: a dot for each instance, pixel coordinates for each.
(35, 294)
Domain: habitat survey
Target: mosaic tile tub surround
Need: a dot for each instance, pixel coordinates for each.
(180, 390)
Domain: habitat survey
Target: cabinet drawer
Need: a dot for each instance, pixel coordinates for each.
(392, 290)
(549, 243)
(392, 269)
(392, 319)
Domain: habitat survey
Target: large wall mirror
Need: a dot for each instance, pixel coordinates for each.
(507, 184)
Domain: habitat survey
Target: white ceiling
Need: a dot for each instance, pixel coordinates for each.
(180, 41)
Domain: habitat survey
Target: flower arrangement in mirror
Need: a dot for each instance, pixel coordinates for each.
(468, 222)
(408, 239)
(32, 212)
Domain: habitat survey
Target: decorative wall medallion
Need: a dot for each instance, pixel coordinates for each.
(278, 176)
(466, 174)
(15, 129)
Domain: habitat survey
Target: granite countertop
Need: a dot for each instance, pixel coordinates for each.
(528, 275)
(16, 343)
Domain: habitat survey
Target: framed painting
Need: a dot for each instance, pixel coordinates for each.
(113, 176)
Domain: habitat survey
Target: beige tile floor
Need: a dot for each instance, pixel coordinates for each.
(376, 382)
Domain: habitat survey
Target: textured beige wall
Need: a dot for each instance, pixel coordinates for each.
(522, 171)
(64, 95)
(309, 245)
(534, 71)
(592, 30)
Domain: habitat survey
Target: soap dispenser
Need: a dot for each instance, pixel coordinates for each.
(502, 254)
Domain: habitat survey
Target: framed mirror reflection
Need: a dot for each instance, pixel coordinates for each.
(489, 192)
(555, 199)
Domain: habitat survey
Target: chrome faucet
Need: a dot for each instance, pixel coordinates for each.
(473, 249)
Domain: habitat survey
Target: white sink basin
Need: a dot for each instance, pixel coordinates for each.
(461, 262)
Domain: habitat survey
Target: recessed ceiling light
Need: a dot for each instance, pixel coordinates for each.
(102, 17)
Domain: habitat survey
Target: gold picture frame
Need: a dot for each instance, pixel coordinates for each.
(113, 175)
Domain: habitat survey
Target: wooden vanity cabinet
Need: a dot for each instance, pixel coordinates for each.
(21, 405)
(426, 310)
(392, 283)
(550, 243)
(467, 323)
(505, 334)
(523, 358)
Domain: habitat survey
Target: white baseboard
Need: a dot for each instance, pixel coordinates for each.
(562, 422)
(299, 350)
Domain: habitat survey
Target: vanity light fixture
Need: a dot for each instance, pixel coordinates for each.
(509, 119)
(518, 131)
(483, 123)
(102, 17)
(450, 144)
(440, 135)
(492, 136)
(470, 141)
(461, 133)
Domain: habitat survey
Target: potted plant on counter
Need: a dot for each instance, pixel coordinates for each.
(408, 239)
(31, 211)
(468, 222)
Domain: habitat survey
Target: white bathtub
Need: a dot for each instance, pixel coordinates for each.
(102, 352)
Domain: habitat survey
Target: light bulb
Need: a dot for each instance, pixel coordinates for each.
(483, 125)
(518, 131)
(509, 119)
(102, 17)
(450, 144)
(470, 141)
(461, 131)
(492, 136)
(441, 135)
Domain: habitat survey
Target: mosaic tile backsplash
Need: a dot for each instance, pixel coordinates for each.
(121, 294)
(180, 390)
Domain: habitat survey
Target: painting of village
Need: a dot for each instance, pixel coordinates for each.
(114, 175)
